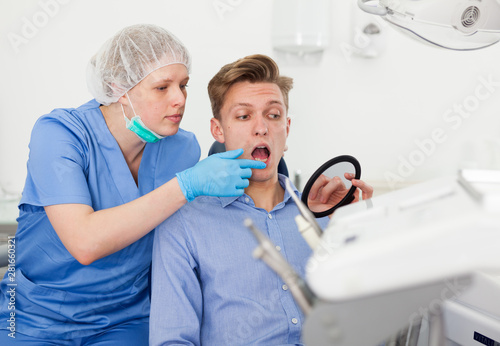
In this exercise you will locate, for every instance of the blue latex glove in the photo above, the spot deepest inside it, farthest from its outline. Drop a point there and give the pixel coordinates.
(219, 175)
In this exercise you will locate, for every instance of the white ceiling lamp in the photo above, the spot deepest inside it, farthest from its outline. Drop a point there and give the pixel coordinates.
(451, 24)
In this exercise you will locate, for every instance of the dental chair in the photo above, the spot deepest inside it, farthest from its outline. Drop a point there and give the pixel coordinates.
(4, 255)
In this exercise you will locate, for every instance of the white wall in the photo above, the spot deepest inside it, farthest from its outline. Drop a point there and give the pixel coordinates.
(377, 110)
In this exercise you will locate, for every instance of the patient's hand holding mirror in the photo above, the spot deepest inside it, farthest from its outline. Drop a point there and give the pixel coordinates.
(330, 186)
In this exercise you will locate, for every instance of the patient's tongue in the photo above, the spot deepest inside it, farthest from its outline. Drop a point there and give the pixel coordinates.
(260, 153)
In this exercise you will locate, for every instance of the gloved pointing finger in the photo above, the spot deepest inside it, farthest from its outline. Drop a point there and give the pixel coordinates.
(251, 164)
(217, 175)
(232, 154)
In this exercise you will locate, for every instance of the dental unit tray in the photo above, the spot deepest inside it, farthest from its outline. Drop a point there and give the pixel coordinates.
(429, 253)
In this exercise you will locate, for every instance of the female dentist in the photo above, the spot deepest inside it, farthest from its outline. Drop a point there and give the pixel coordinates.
(100, 178)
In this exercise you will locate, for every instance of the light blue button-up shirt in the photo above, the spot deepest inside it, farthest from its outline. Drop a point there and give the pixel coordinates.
(208, 289)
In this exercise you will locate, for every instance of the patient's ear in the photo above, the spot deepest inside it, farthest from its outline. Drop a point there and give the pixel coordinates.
(216, 129)
(288, 122)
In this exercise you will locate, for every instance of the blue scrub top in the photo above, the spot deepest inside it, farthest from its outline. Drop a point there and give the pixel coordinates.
(75, 159)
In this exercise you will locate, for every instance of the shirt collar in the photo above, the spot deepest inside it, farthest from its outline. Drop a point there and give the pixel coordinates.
(225, 201)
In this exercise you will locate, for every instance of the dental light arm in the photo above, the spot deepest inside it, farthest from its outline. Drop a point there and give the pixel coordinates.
(451, 24)
(377, 10)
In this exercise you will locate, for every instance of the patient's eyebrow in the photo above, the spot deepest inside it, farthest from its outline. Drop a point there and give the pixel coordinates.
(240, 104)
(272, 102)
(244, 104)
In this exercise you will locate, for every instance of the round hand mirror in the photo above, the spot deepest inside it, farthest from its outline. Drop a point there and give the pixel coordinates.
(331, 179)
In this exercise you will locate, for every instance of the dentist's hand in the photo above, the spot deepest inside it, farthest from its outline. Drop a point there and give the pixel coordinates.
(218, 175)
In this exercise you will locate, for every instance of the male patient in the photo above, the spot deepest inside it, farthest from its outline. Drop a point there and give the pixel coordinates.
(206, 287)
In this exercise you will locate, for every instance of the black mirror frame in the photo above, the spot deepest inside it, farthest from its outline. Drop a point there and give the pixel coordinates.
(348, 198)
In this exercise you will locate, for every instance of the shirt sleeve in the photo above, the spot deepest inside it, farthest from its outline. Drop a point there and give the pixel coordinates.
(176, 301)
(56, 164)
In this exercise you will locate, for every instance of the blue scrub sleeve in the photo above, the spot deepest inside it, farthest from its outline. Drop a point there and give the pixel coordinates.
(56, 164)
(176, 302)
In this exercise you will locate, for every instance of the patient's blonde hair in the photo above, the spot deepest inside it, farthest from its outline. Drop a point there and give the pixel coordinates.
(253, 68)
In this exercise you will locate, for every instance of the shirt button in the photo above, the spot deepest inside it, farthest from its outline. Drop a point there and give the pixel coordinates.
(278, 248)
(269, 216)
(247, 199)
(284, 287)
(295, 321)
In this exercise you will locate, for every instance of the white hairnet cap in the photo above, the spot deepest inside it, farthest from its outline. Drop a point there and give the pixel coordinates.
(128, 57)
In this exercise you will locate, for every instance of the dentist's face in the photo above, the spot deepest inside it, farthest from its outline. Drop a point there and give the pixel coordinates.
(160, 98)
(253, 117)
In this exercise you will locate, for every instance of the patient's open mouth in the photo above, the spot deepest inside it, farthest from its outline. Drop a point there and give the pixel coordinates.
(261, 153)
